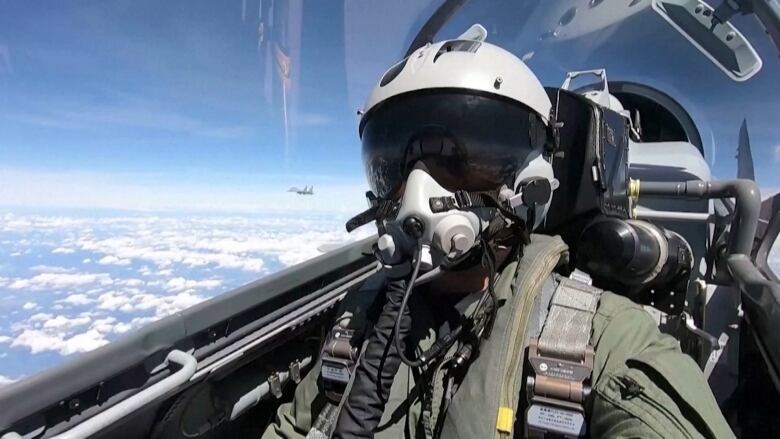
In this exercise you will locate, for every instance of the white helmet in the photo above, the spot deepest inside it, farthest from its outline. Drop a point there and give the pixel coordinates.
(472, 113)
(455, 118)
(470, 65)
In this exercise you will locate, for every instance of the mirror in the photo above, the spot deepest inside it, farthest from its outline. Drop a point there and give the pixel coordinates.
(721, 42)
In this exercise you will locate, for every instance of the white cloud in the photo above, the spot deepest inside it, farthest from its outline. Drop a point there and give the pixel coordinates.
(51, 269)
(61, 322)
(63, 251)
(130, 282)
(161, 305)
(4, 380)
(121, 328)
(83, 342)
(40, 317)
(167, 305)
(77, 299)
(183, 260)
(113, 260)
(60, 280)
(164, 251)
(43, 341)
(29, 305)
(180, 284)
(777, 153)
(104, 325)
(37, 341)
(112, 301)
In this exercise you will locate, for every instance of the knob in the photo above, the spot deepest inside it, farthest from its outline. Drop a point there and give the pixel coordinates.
(460, 243)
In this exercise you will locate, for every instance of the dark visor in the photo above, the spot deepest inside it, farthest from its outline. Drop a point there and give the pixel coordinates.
(473, 142)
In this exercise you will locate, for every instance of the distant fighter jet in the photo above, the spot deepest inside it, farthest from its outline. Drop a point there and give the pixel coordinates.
(744, 156)
(305, 191)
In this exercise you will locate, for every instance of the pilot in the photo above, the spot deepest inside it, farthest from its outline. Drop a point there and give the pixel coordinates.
(475, 327)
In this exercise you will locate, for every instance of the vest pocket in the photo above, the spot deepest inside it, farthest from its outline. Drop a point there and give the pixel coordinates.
(646, 394)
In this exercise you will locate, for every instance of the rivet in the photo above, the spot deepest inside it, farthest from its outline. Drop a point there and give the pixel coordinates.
(74, 404)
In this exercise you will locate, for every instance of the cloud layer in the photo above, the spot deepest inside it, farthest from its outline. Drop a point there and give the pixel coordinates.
(75, 283)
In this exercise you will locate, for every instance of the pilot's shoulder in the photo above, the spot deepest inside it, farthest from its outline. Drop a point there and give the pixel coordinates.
(621, 321)
(612, 304)
(359, 300)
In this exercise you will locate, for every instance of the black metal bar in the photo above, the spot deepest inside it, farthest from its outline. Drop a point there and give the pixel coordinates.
(761, 303)
(748, 203)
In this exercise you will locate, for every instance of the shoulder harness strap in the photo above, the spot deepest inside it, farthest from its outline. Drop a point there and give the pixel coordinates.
(562, 360)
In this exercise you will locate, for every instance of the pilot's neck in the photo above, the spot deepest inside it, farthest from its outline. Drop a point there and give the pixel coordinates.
(465, 281)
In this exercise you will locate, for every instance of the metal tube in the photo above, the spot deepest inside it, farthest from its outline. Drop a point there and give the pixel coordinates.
(748, 203)
(429, 276)
(674, 216)
(123, 408)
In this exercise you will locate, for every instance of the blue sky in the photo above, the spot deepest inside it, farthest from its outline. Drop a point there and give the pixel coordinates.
(180, 104)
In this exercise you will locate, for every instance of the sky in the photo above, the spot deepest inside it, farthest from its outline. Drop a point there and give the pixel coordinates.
(183, 104)
(146, 147)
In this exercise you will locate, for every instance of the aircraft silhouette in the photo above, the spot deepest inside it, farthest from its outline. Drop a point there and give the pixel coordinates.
(744, 155)
(305, 191)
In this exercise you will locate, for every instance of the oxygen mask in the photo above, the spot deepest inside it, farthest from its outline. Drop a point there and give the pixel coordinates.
(422, 223)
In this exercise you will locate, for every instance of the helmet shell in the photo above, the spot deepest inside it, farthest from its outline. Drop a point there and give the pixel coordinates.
(462, 64)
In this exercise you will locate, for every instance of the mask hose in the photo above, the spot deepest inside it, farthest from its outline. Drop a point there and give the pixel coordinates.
(363, 408)
(402, 320)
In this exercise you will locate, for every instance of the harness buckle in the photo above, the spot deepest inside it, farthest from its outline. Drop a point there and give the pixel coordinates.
(557, 394)
(339, 358)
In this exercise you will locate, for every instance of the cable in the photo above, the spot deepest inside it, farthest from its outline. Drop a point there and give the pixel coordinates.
(447, 340)
(375, 372)
(396, 330)
(491, 291)
(440, 345)
(484, 327)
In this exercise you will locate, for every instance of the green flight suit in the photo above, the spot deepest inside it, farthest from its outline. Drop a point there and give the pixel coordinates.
(643, 385)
